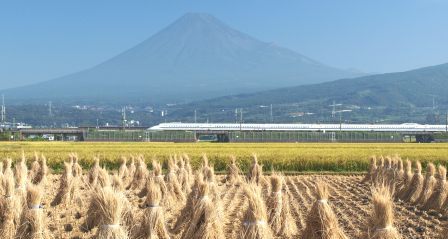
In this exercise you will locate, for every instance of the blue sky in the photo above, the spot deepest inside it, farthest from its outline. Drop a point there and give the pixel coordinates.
(44, 39)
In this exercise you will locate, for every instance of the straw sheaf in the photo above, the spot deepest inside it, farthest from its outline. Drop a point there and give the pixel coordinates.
(321, 222)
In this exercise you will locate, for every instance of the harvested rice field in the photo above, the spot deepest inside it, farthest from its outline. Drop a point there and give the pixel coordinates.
(180, 202)
(349, 199)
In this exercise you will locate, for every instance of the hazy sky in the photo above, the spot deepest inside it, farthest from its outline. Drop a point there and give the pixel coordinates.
(41, 40)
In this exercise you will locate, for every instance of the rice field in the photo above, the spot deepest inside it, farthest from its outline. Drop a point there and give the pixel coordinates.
(395, 199)
(291, 157)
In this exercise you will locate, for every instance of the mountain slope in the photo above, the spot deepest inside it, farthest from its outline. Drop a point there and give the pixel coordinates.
(194, 58)
(416, 88)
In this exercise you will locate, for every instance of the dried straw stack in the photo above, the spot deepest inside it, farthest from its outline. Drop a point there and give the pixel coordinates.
(382, 219)
(321, 222)
(42, 174)
(255, 171)
(140, 176)
(35, 167)
(131, 168)
(21, 176)
(428, 186)
(415, 186)
(174, 189)
(9, 207)
(372, 171)
(207, 217)
(279, 214)
(440, 191)
(77, 169)
(92, 176)
(65, 192)
(233, 172)
(255, 224)
(111, 209)
(154, 225)
(402, 186)
(123, 170)
(32, 222)
(183, 177)
(184, 217)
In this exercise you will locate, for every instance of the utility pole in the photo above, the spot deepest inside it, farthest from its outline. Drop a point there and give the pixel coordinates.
(272, 116)
(50, 112)
(333, 111)
(340, 121)
(3, 109)
(123, 115)
(236, 115)
(433, 103)
(241, 115)
(195, 116)
(446, 123)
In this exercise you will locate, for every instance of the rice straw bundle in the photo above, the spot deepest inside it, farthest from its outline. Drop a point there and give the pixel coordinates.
(415, 186)
(123, 170)
(95, 212)
(10, 208)
(174, 189)
(77, 169)
(256, 171)
(205, 162)
(321, 222)
(21, 175)
(279, 214)
(407, 178)
(186, 212)
(209, 178)
(35, 167)
(255, 224)
(389, 172)
(207, 217)
(65, 195)
(440, 191)
(429, 184)
(380, 166)
(41, 175)
(153, 225)
(140, 176)
(7, 171)
(159, 179)
(183, 177)
(111, 210)
(382, 220)
(103, 178)
(93, 173)
(1, 169)
(131, 168)
(32, 221)
(117, 183)
(233, 172)
(188, 167)
(372, 170)
(400, 170)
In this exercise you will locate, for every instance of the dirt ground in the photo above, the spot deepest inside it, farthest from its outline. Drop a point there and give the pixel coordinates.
(350, 200)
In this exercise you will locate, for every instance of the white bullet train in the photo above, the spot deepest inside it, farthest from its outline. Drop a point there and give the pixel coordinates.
(407, 127)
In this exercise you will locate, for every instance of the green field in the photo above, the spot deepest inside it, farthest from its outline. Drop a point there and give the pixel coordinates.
(293, 157)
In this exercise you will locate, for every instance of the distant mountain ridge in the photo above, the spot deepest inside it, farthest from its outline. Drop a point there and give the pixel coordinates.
(195, 57)
(415, 88)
